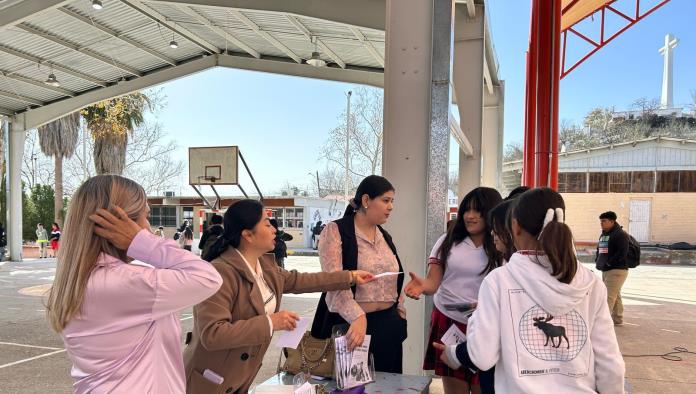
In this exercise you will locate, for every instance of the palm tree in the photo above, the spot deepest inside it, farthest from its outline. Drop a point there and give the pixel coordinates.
(58, 139)
(110, 122)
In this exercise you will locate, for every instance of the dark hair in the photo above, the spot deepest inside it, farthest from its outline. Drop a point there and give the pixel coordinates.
(517, 191)
(188, 233)
(611, 215)
(240, 216)
(216, 219)
(481, 199)
(556, 239)
(57, 226)
(274, 223)
(374, 186)
(499, 220)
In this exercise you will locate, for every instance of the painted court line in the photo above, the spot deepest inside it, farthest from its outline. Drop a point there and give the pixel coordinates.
(31, 359)
(186, 318)
(664, 329)
(32, 346)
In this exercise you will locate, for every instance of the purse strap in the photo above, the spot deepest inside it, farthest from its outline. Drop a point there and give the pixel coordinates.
(327, 342)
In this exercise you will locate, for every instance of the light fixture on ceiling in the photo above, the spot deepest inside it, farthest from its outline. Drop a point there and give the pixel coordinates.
(173, 44)
(97, 4)
(52, 80)
(315, 60)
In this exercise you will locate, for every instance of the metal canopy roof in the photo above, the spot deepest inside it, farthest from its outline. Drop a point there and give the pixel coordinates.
(128, 40)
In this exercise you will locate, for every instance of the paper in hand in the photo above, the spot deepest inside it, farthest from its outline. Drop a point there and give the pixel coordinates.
(292, 338)
(453, 336)
(383, 274)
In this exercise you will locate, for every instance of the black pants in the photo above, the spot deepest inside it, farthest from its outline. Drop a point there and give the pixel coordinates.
(388, 331)
(187, 247)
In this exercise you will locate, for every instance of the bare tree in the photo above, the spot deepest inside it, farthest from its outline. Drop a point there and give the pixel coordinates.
(366, 131)
(332, 180)
(150, 160)
(646, 106)
(513, 151)
(37, 168)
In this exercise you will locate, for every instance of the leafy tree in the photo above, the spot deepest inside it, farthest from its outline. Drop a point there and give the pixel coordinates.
(58, 139)
(110, 122)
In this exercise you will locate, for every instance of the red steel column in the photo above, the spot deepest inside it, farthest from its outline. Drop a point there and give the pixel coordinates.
(529, 149)
(547, 91)
(558, 58)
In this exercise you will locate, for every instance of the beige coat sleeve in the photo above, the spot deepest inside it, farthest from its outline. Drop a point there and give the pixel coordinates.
(214, 317)
(303, 282)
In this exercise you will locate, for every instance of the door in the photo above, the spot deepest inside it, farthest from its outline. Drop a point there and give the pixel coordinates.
(639, 220)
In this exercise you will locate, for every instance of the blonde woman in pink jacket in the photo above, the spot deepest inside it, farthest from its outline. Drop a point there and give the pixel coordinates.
(118, 289)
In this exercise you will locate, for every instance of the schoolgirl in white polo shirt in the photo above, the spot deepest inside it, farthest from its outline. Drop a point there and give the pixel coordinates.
(459, 261)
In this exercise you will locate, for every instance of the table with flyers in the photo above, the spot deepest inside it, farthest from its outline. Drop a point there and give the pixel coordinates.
(384, 383)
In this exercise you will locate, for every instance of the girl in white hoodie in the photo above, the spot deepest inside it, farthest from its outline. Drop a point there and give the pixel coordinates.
(548, 313)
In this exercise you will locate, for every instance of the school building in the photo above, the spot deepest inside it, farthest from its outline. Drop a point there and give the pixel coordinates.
(650, 184)
(296, 215)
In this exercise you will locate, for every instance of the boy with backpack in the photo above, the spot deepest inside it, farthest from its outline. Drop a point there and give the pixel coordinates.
(617, 251)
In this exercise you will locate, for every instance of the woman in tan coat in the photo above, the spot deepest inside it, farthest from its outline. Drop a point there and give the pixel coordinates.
(233, 328)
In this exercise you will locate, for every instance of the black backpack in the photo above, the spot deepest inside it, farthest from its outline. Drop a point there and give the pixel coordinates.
(633, 257)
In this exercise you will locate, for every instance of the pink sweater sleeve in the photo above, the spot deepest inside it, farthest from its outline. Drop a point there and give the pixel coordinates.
(180, 278)
(340, 301)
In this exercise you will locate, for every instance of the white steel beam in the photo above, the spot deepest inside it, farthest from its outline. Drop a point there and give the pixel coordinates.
(55, 66)
(364, 13)
(164, 21)
(219, 31)
(38, 116)
(88, 52)
(38, 84)
(117, 35)
(284, 66)
(18, 97)
(23, 10)
(272, 40)
(308, 34)
(368, 45)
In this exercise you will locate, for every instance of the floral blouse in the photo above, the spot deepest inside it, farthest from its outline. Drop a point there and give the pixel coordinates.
(375, 257)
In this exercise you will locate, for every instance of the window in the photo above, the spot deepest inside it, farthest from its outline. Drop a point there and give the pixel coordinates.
(620, 182)
(163, 215)
(642, 182)
(572, 182)
(687, 181)
(667, 181)
(599, 182)
(188, 214)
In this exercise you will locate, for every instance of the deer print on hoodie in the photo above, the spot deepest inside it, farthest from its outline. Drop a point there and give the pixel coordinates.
(542, 334)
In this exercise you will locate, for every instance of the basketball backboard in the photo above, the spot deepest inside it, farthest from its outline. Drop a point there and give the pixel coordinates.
(215, 165)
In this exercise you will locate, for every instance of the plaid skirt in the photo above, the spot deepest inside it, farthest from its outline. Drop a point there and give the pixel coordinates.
(439, 324)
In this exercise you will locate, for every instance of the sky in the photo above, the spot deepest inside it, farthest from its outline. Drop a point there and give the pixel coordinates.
(281, 122)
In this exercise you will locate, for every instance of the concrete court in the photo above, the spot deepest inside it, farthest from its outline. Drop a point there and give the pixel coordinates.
(660, 315)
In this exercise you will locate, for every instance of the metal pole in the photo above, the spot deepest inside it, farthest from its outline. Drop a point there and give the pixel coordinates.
(250, 176)
(318, 187)
(346, 186)
(84, 153)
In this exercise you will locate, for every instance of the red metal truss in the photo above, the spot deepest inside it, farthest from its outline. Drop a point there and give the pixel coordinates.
(603, 39)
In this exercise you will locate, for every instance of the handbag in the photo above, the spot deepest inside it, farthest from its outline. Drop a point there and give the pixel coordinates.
(313, 356)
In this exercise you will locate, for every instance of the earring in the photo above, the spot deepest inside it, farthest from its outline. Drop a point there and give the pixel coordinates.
(365, 206)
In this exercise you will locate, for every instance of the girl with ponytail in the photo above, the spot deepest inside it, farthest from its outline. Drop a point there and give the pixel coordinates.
(233, 328)
(542, 319)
